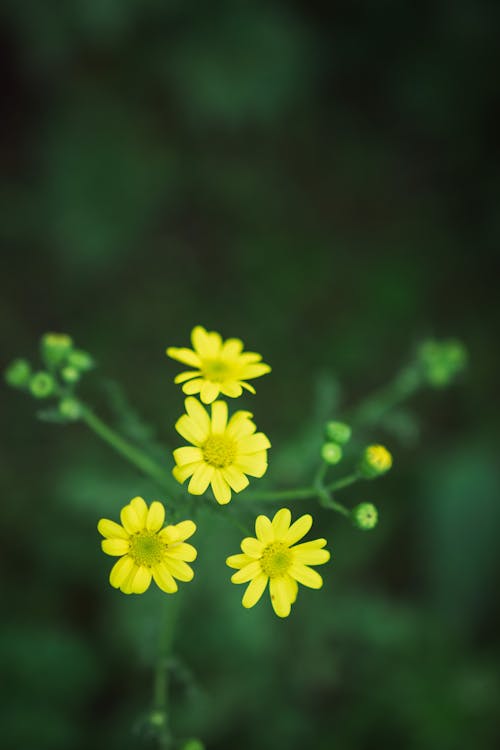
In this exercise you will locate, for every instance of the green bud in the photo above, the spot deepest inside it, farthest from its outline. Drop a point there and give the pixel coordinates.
(331, 453)
(70, 409)
(157, 718)
(55, 347)
(376, 460)
(441, 361)
(339, 432)
(18, 373)
(81, 360)
(70, 374)
(193, 744)
(42, 385)
(365, 516)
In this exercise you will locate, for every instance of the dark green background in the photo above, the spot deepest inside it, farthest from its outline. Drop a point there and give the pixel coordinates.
(323, 184)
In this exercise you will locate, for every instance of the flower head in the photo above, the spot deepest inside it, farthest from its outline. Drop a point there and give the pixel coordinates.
(275, 557)
(146, 550)
(223, 452)
(376, 460)
(220, 366)
(365, 516)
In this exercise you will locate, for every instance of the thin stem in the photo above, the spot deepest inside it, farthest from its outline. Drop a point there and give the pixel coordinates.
(161, 677)
(134, 455)
(372, 409)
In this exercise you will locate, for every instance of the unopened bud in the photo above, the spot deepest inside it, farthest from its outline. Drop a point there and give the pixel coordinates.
(55, 348)
(81, 360)
(339, 432)
(365, 516)
(70, 374)
(70, 409)
(42, 385)
(18, 373)
(331, 453)
(376, 460)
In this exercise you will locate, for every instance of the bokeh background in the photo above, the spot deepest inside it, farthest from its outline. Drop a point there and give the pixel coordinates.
(321, 181)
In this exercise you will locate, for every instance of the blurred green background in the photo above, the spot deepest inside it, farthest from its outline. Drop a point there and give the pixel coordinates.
(321, 182)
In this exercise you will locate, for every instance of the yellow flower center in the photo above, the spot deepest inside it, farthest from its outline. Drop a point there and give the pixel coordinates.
(146, 548)
(219, 451)
(276, 559)
(216, 370)
(379, 457)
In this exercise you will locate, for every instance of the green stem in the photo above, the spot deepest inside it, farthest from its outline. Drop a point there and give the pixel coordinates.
(373, 408)
(134, 455)
(161, 678)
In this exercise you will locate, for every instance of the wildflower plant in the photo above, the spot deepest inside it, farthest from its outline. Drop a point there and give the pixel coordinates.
(224, 449)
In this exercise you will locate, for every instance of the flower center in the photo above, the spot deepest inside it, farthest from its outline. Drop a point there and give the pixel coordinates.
(146, 548)
(219, 451)
(276, 559)
(215, 370)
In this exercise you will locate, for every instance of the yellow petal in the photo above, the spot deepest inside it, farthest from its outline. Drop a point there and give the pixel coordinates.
(238, 561)
(252, 547)
(164, 579)
(280, 596)
(181, 473)
(250, 571)
(240, 425)
(182, 551)
(115, 547)
(207, 344)
(220, 488)
(313, 544)
(298, 529)
(140, 507)
(141, 580)
(255, 465)
(184, 530)
(126, 587)
(281, 523)
(186, 356)
(111, 530)
(311, 556)
(219, 417)
(191, 430)
(120, 571)
(179, 569)
(193, 386)
(253, 443)
(255, 371)
(235, 479)
(201, 479)
(130, 520)
(209, 392)
(198, 414)
(248, 387)
(292, 588)
(306, 576)
(254, 590)
(155, 517)
(187, 455)
(264, 530)
(231, 348)
(187, 375)
(231, 389)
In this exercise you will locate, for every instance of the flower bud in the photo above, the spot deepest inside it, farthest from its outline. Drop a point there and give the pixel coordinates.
(70, 374)
(338, 432)
(193, 744)
(81, 360)
(55, 348)
(157, 718)
(331, 453)
(18, 373)
(441, 361)
(376, 460)
(70, 409)
(365, 516)
(42, 385)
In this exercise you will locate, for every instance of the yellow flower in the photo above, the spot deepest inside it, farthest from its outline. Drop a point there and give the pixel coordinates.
(376, 460)
(223, 453)
(221, 366)
(273, 557)
(146, 550)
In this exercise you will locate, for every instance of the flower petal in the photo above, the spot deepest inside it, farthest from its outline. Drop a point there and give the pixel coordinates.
(206, 344)
(156, 516)
(254, 371)
(141, 580)
(140, 507)
(231, 348)
(264, 530)
(231, 388)
(163, 579)
(198, 414)
(221, 489)
(280, 596)
(311, 556)
(120, 571)
(219, 417)
(306, 576)
(182, 551)
(181, 473)
(298, 529)
(130, 520)
(184, 355)
(252, 547)
(253, 443)
(190, 430)
(250, 571)
(313, 544)
(254, 465)
(115, 547)
(209, 392)
(201, 479)
(240, 425)
(187, 375)
(193, 386)
(254, 590)
(179, 569)
(248, 387)
(292, 588)
(184, 530)
(235, 479)
(238, 561)
(281, 523)
(111, 530)
(187, 455)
